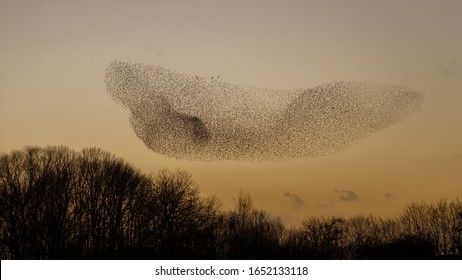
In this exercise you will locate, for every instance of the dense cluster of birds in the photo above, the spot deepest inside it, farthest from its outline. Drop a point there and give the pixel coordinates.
(190, 117)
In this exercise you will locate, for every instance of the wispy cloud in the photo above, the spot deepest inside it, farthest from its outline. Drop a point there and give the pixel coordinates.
(346, 195)
(458, 157)
(389, 195)
(450, 69)
(295, 200)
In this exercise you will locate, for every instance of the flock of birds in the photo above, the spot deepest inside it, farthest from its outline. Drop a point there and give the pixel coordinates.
(191, 117)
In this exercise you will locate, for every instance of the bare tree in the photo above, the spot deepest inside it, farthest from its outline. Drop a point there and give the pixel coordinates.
(250, 233)
(110, 196)
(56, 203)
(325, 237)
(36, 190)
(179, 218)
(455, 208)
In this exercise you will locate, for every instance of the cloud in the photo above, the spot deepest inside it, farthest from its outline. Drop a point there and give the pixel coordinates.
(458, 157)
(296, 201)
(450, 69)
(389, 195)
(346, 195)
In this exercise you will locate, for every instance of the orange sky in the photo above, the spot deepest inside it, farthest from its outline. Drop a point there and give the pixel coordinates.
(53, 55)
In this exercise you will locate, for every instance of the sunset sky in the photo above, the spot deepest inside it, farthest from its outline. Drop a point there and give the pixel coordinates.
(54, 54)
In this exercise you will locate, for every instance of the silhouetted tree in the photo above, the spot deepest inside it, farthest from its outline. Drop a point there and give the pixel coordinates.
(56, 203)
(295, 244)
(111, 196)
(436, 224)
(249, 233)
(180, 222)
(325, 237)
(36, 191)
(406, 247)
(367, 233)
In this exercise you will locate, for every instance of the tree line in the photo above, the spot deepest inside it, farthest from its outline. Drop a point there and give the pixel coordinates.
(56, 203)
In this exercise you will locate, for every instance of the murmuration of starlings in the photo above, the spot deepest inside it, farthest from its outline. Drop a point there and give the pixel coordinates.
(196, 118)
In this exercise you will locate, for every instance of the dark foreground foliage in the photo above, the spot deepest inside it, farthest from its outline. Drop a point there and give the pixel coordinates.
(56, 203)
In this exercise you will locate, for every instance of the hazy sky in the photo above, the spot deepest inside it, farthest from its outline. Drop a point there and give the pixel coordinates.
(53, 56)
